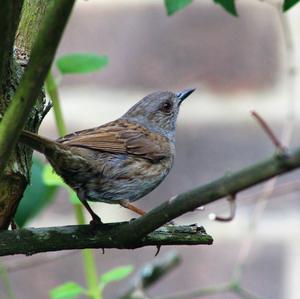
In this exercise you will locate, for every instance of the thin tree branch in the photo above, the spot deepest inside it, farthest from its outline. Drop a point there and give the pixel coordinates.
(35, 240)
(268, 131)
(31, 83)
(149, 274)
(230, 217)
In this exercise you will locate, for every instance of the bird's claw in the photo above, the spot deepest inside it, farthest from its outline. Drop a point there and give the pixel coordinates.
(96, 221)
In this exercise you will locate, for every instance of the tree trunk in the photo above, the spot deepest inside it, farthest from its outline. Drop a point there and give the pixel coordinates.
(17, 173)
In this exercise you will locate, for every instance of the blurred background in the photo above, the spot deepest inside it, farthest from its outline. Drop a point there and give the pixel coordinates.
(237, 65)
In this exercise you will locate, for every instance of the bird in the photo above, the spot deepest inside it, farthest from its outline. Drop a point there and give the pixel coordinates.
(121, 161)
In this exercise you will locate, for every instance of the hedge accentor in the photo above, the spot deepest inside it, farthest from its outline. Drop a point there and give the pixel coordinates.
(121, 161)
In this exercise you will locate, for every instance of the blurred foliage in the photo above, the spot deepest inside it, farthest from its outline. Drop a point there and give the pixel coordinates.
(173, 6)
(68, 290)
(115, 274)
(287, 4)
(228, 5)
(36, 197)
(78, 63)
(50, 178)
(71, 290)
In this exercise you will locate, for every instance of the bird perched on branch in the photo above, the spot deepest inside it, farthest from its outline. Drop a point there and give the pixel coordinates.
(121, 161)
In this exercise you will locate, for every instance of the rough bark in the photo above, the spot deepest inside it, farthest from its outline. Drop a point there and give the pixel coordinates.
(35, 240)
(17, 172)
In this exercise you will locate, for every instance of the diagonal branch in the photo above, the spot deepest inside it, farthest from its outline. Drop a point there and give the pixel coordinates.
(35, 240)
(222, 187)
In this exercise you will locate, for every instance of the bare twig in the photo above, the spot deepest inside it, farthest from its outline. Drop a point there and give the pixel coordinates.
(232, 206)
(268, 131)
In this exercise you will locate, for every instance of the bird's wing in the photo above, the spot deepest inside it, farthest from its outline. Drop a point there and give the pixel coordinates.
(121, 137)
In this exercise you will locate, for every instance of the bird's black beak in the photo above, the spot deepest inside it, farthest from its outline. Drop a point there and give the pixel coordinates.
(184, 94)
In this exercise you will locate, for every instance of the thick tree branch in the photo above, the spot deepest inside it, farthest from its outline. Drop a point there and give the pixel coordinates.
(33, 14)
(42, 55)
(35, 240)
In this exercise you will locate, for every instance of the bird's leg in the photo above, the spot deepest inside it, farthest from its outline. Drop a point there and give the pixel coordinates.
(95, 218)
(127, 205)
(13, 224)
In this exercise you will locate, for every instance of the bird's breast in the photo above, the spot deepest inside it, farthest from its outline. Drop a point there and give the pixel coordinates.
(127, 178)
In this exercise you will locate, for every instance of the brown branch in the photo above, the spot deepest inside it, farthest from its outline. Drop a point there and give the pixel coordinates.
(232, 206)
(268, 131)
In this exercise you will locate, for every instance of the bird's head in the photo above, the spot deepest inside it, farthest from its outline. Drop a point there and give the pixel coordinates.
(158, 111)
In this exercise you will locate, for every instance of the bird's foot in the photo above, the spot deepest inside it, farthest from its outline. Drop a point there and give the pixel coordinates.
(96, 221)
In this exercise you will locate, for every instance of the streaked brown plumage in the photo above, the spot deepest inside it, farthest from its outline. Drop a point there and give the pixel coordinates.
(120, 161)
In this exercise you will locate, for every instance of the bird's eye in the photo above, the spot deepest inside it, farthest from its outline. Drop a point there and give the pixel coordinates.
(166, 107)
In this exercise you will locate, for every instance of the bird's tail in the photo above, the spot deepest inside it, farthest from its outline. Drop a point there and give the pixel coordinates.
(35, 141)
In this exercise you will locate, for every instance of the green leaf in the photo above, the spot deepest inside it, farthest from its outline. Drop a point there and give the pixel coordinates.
(37, 196)
(79, 63)
(68, 290)
(116, 274)
(173, 6)
(287, 4)
(50, 178)
(228, 5)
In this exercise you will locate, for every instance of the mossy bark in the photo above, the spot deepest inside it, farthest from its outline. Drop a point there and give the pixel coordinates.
(36, 240)
(17, 172)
